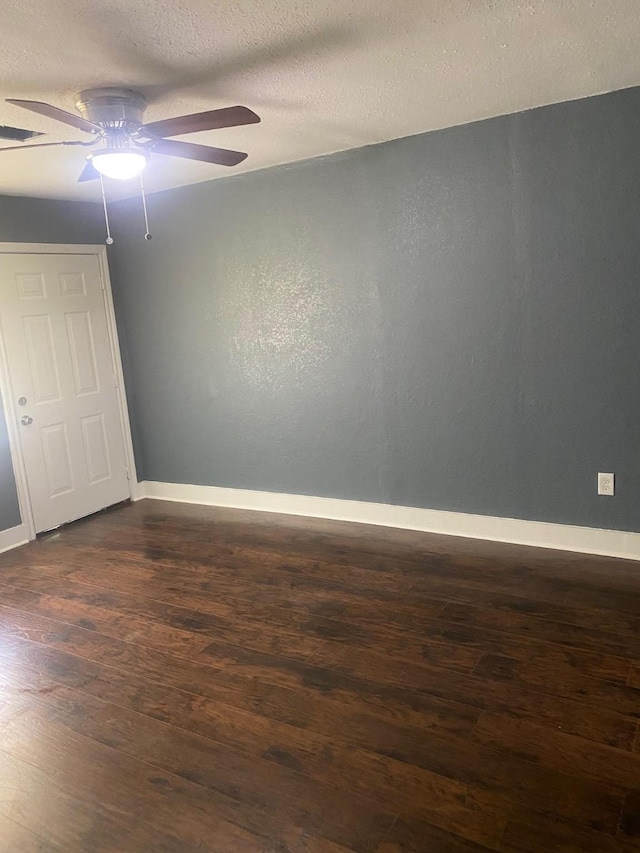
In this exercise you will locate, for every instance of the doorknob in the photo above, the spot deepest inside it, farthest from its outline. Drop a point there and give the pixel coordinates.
(25, 420)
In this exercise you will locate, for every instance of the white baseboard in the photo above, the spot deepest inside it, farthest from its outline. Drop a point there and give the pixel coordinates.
(565, 537)
(13, 537)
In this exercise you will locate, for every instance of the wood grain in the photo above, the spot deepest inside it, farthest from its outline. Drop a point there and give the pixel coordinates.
(177, 678)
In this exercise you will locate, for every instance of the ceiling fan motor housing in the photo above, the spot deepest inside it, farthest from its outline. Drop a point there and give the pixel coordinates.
(113, 108)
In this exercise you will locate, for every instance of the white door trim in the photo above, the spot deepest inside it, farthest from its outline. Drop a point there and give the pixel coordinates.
(9, 404)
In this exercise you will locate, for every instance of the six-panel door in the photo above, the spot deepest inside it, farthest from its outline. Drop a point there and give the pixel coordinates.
(54, 328)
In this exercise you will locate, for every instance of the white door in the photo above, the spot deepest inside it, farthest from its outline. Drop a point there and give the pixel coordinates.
(53, 324)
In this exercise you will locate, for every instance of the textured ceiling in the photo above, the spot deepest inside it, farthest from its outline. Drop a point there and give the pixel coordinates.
(323, 75)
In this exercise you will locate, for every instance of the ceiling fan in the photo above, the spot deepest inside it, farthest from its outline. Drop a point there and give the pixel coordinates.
(114, 118)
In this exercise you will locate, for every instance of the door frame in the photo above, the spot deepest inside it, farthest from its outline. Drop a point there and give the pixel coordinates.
(100, 252)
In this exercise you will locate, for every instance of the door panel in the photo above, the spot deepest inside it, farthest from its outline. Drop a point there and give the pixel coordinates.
(38, 337)
(57, 459)
(30, 285)
(54, 327)
(96, 451)
(82, 349)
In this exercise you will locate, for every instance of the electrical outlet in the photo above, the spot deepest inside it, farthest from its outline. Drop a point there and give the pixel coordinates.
(606, 484)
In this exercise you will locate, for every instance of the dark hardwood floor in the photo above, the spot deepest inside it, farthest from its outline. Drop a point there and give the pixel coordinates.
(178, 679)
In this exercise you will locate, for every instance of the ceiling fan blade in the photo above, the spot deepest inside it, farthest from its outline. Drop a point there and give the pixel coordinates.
(89, 173)
(220, 156)
(211, 120)
(17, 134)
(56, 113)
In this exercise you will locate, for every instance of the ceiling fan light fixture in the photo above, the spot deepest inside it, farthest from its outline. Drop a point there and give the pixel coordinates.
(119, 164)
(114, 117)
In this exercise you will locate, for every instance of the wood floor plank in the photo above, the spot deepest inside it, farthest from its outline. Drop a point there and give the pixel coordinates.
(71, 824)
(299, 756)
(331, 678)
(310, 844)
(594, 723)
(182, 566)
(557, 678)
(132, 617)
(634, 676)
(413, 836)
(544, 630)
(246, 657)
(558, 749)
(229, 592)
(163, 666)
(331, 759)
(597, 664)
(298, 636)
(16, 839)
(202, 801)
(177, 678)
(379, 715)
(304, 573)
(626, 600)
(318, 757)
(624, 624)
(531, 833)
(264, 604)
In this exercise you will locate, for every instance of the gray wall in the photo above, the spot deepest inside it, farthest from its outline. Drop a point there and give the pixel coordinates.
(27, 220)
(449, 320)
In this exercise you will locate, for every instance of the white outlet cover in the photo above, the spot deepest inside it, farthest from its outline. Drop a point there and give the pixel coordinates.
(606, 484)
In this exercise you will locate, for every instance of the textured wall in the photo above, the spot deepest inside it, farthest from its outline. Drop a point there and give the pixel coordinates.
(449, 320)
(27, 220)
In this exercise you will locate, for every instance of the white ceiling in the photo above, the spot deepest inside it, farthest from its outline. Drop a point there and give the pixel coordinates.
(324, 75)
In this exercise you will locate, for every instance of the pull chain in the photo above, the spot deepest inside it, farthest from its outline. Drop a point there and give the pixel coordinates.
(109, 240)
(147, 235)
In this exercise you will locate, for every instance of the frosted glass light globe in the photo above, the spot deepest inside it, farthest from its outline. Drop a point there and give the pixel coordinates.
(120, 165)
